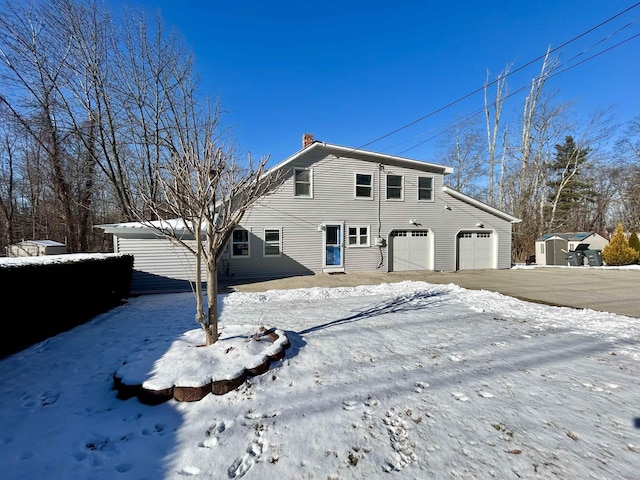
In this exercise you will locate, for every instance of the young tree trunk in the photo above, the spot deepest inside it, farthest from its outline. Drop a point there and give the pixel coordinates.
(494, 127)
(211, 330)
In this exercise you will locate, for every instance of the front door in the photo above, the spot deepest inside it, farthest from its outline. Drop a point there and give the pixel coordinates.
(333, 247)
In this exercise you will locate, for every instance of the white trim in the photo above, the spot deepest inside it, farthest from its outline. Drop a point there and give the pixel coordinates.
(386, 188)
(295, 172)
(481, 205)
(431, 242)
(264, 242)
(433, 196)
(495, 245)
(355, 186)
(375, 157)
(357, 236)
(332, 268)
(248, 242)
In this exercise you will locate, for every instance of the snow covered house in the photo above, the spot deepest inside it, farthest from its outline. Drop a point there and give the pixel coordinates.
(552, 248)
(340, 209)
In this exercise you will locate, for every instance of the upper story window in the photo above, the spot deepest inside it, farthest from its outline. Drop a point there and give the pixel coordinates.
(272, 243)
(364, 185)
(425, 188)
(303, 182)
(395, 187)
(240, 243)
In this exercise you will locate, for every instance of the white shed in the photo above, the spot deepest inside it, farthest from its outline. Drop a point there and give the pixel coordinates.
(35, 248)
(552, 248)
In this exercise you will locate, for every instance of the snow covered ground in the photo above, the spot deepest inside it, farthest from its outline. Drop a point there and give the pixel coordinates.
(402, 380)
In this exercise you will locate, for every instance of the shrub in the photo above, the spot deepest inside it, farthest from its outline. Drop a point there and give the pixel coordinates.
(618, 251)
(634, 242)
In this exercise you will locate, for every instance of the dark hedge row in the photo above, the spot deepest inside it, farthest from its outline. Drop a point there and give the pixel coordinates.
(42, 300)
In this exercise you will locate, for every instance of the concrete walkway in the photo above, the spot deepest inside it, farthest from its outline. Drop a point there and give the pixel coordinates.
(607, 290)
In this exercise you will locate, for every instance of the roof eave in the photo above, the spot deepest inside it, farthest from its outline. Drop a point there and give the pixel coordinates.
(346, 150)
(481, 205)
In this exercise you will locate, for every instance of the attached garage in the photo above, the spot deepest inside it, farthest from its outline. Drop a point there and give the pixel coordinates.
(411, 250)
(475, 250)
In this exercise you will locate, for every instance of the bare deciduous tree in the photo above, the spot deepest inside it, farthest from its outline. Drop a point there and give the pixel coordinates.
(526, 181)
(8, 183)
(208, 189)
(462, 148)
(493, 126)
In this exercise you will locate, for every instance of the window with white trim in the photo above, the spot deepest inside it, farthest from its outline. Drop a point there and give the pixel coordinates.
(240, 243)
(425, 188)
(364, 185)
(303, 182)
(358, 236)
(394, 187)
(272, 242)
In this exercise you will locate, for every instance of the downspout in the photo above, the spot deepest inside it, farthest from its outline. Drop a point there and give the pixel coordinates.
(380, 244)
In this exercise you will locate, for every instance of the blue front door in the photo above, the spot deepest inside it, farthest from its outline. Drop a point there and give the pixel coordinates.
(333, 247)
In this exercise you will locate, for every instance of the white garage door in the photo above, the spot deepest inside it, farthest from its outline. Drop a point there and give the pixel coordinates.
(475, 250)
(410, 250)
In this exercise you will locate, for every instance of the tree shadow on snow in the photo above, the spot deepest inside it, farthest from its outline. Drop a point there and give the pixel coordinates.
(405, 303)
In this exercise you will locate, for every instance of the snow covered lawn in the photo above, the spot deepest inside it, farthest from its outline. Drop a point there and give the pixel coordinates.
(402, 380)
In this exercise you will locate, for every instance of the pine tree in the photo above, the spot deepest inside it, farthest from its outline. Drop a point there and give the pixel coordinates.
(634, 242)
(568, 193)
(618, 251)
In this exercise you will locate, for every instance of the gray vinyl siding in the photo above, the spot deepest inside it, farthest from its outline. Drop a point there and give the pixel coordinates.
(159, 265)
(465, 217)
(334, 200)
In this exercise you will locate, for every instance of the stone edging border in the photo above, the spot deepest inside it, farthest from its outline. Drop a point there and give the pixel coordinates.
(194, 394)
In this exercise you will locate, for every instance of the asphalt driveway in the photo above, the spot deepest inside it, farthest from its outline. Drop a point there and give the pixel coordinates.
(604, 289)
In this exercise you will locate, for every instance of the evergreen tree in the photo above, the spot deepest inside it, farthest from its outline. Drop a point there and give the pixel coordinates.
(634, 242)
(618, 251)
(569, 194)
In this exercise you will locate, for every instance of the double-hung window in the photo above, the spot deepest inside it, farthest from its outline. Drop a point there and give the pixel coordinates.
(394, 187)
(364, 186)
(425, 188)
(240, 243)
(303, 182)
(272, 243)
(358, 236)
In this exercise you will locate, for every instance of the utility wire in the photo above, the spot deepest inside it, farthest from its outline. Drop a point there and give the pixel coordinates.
(468, 116)
(551, 75)
(540, 57)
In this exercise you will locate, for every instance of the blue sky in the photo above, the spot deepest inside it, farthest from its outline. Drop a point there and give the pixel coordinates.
(350, 72)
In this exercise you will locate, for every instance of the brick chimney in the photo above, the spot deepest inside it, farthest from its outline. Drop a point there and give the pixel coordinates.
(307, 139)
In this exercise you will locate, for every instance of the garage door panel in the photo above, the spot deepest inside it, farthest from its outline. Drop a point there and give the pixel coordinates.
(410, 250)
(475, 250)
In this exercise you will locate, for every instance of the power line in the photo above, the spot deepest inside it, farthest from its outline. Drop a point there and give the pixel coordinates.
(520, 89)
(480, 110)
(464, 97)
